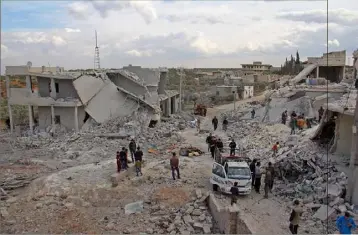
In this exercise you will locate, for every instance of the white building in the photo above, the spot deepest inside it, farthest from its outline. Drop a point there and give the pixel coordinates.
(248, 92)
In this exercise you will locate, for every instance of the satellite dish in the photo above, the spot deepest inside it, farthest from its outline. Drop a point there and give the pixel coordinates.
(29, 64)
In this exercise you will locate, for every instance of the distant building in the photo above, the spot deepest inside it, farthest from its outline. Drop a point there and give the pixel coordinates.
(248, 92)
(255, 67)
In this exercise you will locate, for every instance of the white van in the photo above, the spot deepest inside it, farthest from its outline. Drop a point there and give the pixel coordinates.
(224, 176)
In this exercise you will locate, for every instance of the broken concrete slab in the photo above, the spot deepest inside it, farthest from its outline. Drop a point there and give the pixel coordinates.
(134, 207)
(324, 212)
(334, 190)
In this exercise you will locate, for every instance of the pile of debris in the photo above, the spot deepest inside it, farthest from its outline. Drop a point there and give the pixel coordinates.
(190, 151)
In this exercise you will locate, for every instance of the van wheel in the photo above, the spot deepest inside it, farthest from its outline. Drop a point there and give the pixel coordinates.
(215, 187)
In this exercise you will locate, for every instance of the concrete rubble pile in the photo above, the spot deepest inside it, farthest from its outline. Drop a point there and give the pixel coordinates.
(302, 167)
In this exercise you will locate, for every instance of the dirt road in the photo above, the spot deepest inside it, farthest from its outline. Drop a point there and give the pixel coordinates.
(263, 215)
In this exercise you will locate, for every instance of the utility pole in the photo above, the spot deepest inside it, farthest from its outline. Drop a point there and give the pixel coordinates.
(353, 163)
(234, 100)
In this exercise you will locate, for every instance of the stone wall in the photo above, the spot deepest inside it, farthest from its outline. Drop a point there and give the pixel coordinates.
(228, 218)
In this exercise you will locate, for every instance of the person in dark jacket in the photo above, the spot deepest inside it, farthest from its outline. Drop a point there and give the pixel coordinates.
(132, 148)
(220, 145)
(271, 169)
(215, 122)
(252, 169)
(253, 114)
(225, 123)
(258, 177)
(138, 157)
(234, 193)
(123, 158)
(118, 157)
(284, 117)
(320, 113)
(232, 146)
(174, 164)
(212, 149)
(208, 140)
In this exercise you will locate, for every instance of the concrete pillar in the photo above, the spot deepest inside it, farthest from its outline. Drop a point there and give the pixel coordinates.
(53, 88)
(162, 81)
(317, 72)
(31, 119)
(76, 119)
(8, 92)
(53, 115)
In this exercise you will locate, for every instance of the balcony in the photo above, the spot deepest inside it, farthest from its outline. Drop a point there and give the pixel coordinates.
(22, 96)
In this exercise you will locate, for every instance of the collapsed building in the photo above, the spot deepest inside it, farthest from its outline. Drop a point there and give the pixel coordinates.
(69, 99)
(330, 66)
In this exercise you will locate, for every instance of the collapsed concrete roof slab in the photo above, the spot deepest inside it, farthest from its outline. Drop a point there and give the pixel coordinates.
(103, 100)
(149, 76)
(303, 74)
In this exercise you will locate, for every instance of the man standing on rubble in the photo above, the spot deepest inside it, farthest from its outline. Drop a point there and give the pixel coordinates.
(234, 193)
(225, 124)
(268, 179)
(275, 149)
(345, 224)
(320, 113)
(209, 139)
(198, 125)
(138, 157)
(118, 157)
(271, 169)
(232, 146)
(293, 122)
(252, 169)
(284, 117)
(215, 122)
(123, 158)
(253, 114)
(174, 164)
(220, 145)
(258, 177)
(132, 148)
(295, 217)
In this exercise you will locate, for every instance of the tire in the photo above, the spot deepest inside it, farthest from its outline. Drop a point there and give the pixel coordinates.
(215, 187)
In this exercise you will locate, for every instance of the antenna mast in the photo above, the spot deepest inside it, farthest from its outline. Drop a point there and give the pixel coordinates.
(96, 54)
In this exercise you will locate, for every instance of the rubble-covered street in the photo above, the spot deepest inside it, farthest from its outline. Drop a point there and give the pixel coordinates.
(72, 191)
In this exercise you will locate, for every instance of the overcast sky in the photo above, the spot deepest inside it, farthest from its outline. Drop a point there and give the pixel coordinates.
(173, 33)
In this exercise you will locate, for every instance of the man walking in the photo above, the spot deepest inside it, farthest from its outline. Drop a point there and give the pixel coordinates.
(138, 157)
(132, 148)
(257, 177)
(320, 113)
(253, 114)
(232, 146)
(174, 164)
(284, 117)
(268, 179)
(275, 149)
(225, 124)
(234, 193)
(295, 217)
(345, 224)
(271, 169)
(215, 122)
(198, 125)
(252, 169)
(123, 158)
(118, 157)
(209, 139)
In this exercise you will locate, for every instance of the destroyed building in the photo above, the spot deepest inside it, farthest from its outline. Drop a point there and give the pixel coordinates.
(330, 66)
(70, 99)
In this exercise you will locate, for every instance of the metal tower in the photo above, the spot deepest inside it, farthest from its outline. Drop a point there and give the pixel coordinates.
(96, 55)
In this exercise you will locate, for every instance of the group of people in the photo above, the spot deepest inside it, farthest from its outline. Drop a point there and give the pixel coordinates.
(136, 156)
(215, 123)
(214, 143)
(255, 168)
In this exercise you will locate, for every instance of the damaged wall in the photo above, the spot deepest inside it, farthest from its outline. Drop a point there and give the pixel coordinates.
(65, 88)
(127, 84)
(344, 132)
(67, 117)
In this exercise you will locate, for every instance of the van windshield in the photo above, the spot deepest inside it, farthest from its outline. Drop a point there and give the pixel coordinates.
(238, 173)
